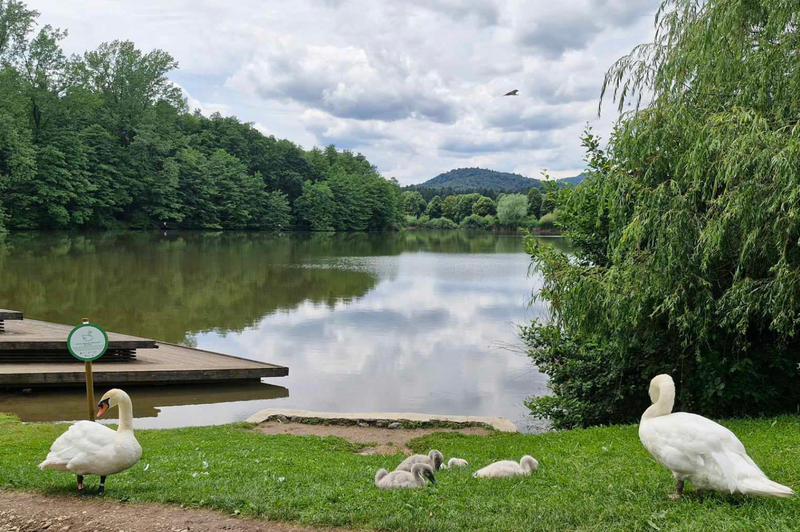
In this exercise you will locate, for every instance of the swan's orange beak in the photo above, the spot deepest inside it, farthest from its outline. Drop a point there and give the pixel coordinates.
(103, 405)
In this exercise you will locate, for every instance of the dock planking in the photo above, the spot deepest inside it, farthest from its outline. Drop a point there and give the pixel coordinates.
(8, 315)
(155, 362)
(35, 334)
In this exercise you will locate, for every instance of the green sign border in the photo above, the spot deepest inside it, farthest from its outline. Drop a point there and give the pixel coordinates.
(79, 327)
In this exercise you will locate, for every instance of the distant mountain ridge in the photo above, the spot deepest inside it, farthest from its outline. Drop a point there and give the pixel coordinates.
(573, 180)
(469, 179)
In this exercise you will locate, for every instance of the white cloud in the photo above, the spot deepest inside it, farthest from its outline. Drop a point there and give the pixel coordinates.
(415, 86)
(347, 82)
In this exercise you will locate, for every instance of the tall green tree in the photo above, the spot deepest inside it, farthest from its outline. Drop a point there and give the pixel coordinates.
(17, 155)
(535, 202)
(434, 209)
(198, 190)
(108, 174)
(64, 194)
(687, 257)
(550, 197)
(384, 195)
(464, 205)
(44, 73)
(450, 208)
(315, 207)
(512, 209)
(412, 203)
(129, 82)
(240, 197)
(484, 207)
(16, 22)
(155, 195)
(351, 211)
(276, 211)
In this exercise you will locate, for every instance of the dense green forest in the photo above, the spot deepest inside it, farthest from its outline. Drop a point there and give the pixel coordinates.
(429, 193)
(105, 139)
(685, 232)
(534, 210)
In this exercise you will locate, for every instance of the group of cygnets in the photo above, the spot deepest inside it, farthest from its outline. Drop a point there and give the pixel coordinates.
(414, 470)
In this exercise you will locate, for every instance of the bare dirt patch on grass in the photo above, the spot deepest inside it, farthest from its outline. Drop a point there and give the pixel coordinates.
(32, 512)
(377, 440)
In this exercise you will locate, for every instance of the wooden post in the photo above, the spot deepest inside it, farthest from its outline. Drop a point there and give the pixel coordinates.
(90, 390)
(89, 384)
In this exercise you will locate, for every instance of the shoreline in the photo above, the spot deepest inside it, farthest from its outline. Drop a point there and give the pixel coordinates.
(97, 230)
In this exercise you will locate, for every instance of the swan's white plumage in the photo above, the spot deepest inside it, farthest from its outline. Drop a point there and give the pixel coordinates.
(404, 479)
(700, 450)
(89, 448)
(457, 462)
(508, 468)
(434, 458)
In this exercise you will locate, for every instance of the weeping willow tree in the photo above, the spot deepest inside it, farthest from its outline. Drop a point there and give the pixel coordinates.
(688, 227)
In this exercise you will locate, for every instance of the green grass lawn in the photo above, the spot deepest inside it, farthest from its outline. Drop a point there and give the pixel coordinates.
(596, 479)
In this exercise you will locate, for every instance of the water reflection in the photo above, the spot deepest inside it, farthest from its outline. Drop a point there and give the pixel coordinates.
(392, 321)
(45, 404)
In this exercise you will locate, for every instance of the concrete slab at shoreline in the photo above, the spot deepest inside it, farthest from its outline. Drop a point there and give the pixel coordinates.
(500, 424)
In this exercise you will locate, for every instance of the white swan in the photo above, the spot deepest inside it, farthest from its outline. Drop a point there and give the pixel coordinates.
(89, 448)
(696, 448)
(404, 479)
(457, 462)
(508, 468)
(434, 458)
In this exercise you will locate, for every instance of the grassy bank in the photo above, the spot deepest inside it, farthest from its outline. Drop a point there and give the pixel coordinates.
(597, 479)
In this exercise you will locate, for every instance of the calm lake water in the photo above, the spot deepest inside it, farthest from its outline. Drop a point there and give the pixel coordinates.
(402, 322)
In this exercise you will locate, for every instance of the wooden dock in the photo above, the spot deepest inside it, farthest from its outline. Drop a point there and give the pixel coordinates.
(42, 341)
(8, 315)
(28, 351)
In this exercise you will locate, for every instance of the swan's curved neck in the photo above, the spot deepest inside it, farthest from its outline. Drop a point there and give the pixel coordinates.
(125, 415)
(663, 406)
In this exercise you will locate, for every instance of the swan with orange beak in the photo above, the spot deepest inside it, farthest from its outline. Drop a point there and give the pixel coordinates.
(89, 448)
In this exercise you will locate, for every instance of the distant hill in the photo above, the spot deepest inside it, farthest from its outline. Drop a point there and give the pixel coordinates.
(573, 180)
(468, 179)
(463, 180)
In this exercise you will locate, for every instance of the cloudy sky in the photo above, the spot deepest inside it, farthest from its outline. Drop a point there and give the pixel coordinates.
(415, 85)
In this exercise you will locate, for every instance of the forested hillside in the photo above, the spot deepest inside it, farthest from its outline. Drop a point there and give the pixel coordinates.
(482, 181)
(105, 139)
(573, 180)
(470, 179)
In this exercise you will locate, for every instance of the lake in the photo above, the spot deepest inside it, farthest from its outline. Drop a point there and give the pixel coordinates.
(417, 321)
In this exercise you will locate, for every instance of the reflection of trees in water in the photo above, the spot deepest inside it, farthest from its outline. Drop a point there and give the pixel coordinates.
(172, 286)
(167, 287)
(472, 242)
(462, 242)
(561, 244)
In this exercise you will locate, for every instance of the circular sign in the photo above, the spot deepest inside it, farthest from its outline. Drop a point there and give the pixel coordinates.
(87, 342)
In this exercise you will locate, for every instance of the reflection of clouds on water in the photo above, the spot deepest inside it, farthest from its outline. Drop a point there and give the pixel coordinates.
(390, 321)
(422, 340)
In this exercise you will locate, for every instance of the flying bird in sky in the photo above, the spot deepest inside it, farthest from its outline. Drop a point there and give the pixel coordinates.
(512, 93)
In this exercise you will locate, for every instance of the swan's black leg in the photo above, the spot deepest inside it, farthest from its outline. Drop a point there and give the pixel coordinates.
(80, 483)
(102, 487)
(678, 490)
